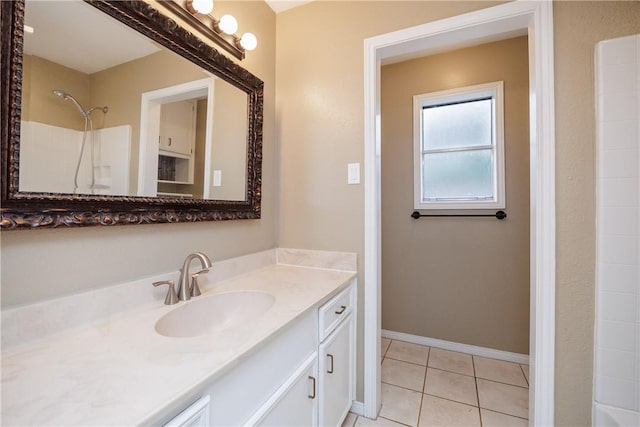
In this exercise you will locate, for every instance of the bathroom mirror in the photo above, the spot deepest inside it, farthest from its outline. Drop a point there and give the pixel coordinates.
(164, 130)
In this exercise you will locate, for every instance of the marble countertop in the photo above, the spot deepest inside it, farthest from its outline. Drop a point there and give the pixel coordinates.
(122, 372)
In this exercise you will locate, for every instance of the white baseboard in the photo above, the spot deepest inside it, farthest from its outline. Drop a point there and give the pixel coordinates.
(454, 346)
(357, 408)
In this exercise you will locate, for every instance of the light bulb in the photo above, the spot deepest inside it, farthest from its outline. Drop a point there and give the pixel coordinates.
(248, 41)
(203, 6)
(228, 24)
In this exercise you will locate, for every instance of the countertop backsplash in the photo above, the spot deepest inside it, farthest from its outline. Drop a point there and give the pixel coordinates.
(24, 324)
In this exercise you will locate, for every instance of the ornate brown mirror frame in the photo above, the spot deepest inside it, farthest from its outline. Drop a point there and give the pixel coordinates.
(19, 210)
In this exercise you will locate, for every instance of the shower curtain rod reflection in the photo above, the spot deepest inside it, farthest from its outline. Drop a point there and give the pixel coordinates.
(498, 215)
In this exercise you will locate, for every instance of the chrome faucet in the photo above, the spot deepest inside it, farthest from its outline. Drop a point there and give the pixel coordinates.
(188, 284)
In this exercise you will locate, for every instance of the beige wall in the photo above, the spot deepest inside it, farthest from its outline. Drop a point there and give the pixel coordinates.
(320, 118)
(461, 280)
(197, 188)
(229, 142)
(40, 105)
(578, 26)
(40, 264)
(320, 122)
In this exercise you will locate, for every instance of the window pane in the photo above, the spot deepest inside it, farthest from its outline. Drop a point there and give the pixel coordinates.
(458, 174)
(457, 125)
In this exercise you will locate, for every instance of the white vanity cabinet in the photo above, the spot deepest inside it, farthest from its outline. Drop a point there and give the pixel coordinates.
(196, 415)
(303, 376)
(321, 391)
(296, 403)
(336, 376)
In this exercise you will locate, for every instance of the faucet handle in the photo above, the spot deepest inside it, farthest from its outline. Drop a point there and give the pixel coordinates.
(194, 289)
(172, 297)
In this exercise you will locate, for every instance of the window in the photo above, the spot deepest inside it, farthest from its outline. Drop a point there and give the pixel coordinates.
(459, 149)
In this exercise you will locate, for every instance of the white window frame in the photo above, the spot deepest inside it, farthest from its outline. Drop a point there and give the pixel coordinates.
(468, 93)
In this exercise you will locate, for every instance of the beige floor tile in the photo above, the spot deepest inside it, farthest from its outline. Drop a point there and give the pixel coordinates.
(525, 371)
(384, 346)
(441, 412)
(403, 374)
(379, 422)
(401, 405)
(495, 419)
(500, 371)
(451, 361)
(503, 398)
(349, 420)
(452, 386)
(408, 352)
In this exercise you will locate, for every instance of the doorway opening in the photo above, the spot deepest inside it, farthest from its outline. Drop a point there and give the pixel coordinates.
(483, 26)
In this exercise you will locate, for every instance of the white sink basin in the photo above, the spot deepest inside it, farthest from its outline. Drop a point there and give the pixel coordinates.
(213, 313)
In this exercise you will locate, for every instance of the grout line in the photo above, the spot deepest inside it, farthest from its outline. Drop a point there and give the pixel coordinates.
(500, 382)
(475, 381)
(402, 387)
(424, 381)
(420, 408)
(397, 422)
(386, 350)
(525, 375)
(451, 372)
(473, 365)
(451, 400)
(504, 413)
(405, 361)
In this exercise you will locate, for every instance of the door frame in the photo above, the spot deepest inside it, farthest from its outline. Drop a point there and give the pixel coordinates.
(534, 18)
(150, 104)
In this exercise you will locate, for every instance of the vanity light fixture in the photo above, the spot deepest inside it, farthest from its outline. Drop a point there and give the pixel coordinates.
(223, 31)
(202, 6)
(228, 24)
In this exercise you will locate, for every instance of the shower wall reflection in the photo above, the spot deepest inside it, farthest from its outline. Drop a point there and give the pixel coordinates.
(51, 161)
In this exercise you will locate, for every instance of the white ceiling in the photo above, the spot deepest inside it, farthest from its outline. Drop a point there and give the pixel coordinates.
(74, 34)
(282, 5)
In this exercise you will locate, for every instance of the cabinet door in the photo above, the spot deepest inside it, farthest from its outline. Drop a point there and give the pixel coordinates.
(177, 127)
(196, 415)
(336, 374)
(295, 403)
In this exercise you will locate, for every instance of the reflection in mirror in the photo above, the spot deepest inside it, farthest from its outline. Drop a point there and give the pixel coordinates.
(138, 120)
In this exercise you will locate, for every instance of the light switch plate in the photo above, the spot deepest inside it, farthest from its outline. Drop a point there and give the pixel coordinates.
(217, 178)
(353, 173)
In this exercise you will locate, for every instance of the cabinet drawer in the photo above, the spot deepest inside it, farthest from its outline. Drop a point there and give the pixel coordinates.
(335, 310)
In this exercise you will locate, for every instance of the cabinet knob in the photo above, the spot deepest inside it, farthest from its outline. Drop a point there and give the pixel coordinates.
(342, 309)
(169, 142)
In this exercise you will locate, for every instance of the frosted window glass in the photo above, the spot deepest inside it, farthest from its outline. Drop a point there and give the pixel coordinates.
(467, 124)
(458, 174)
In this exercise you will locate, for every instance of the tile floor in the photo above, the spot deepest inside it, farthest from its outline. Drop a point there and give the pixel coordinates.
(427, 386)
